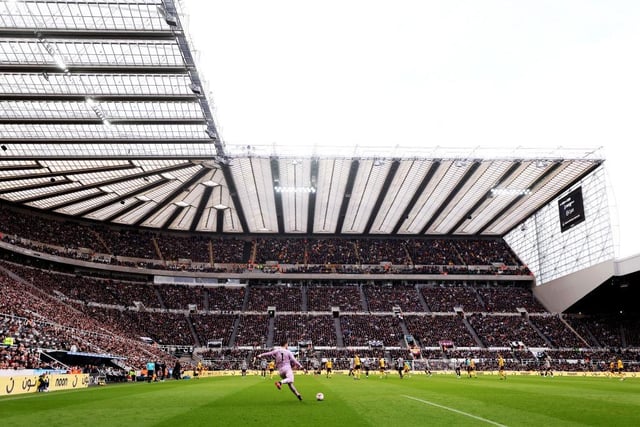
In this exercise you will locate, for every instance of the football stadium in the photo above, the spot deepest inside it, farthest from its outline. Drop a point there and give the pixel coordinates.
(153, 273)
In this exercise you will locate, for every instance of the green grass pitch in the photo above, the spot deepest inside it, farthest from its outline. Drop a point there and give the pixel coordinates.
(441, 400)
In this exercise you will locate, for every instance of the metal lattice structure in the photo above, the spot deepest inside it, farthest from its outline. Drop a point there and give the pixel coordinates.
(552, 253)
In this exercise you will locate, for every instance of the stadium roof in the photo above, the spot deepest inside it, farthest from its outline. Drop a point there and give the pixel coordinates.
(103, 116)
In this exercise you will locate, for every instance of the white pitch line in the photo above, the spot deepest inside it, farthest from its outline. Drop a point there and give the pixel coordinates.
(455, 410)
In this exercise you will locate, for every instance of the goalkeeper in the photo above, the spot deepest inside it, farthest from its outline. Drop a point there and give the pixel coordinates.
(284, 361)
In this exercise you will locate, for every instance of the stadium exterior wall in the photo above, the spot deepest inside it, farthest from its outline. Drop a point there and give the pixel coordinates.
(560, 294)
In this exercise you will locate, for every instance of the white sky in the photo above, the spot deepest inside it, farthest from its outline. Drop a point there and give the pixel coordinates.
(466, 73)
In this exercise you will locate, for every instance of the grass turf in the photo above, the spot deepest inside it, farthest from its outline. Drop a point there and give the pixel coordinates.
(416, 401)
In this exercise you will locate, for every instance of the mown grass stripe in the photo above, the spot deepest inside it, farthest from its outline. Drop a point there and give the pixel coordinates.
(457, 411)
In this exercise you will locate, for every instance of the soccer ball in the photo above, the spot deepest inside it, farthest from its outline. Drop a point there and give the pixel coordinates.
(319, 396)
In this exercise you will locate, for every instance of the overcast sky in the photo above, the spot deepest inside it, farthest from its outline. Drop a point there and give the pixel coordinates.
(468, 73)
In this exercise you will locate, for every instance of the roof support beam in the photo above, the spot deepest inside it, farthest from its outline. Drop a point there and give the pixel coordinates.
(233, 193)
(469, 213)
(121, 198)
(277, 196)
(97, 121)
(107, 182)
(52, 183)
(128, 208)
(161, 204)
(202, 204)
(472, 169)
(101, 69)
(176, 212)
(220, 220)
(383, 193)
(551, 170)
(97, 34)
(311, 213)
(124, 97)
(353, 172)
(416, 195)
(103, 141)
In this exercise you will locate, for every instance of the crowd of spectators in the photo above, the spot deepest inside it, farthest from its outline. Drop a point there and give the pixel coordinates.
(53, 324)
(213, 327)
(500, 331)
(304, 328)
(58, 310)
(194, 248)
(433, 252)
(508, 299)
(600, 332)
(384, 297)
(181, 297)
(485, 252)
(285, 297)
(289, 298)
(331, 251)
(281, 251)
(155, 250)
(223, 298)
(48, 230)
(87, 289)
(253, 330)
(557, 332)
(445, 297)
(230, 250)
(430, 331)
(322, 297)
(370, 330)
(377, 251)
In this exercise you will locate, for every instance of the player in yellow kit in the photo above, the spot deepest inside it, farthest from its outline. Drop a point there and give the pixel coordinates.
(620, 369)
(357, 367)
(503, 376)
(382, 366)
(271, 367)
(328, 366)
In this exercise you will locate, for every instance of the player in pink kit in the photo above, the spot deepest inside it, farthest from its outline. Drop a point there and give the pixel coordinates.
(284, 359)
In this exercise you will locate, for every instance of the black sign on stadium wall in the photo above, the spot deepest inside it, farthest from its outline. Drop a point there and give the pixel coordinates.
(571, 209)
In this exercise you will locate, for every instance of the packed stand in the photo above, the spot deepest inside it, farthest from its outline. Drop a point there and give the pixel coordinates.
(322, 297)
(282, 251)
(433, 252)
(430, 331)
(375, 251)
(601, 332)
(485, 252)
(557, 332)
(384, 297)
(253, 330)
(331, 251)
(210, 327)
(180, 297)
(299, 327)
(225, 299)
(174, 248)
(507, 299)
(370, 330)
(67, 327)
(445, 297)
(284, 297)
(500, 331)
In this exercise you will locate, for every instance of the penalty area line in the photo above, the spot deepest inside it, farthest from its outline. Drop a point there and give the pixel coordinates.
(437, 405)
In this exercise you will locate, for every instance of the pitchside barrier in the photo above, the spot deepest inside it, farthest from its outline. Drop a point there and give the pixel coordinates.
(374, 373)
(20, 384)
